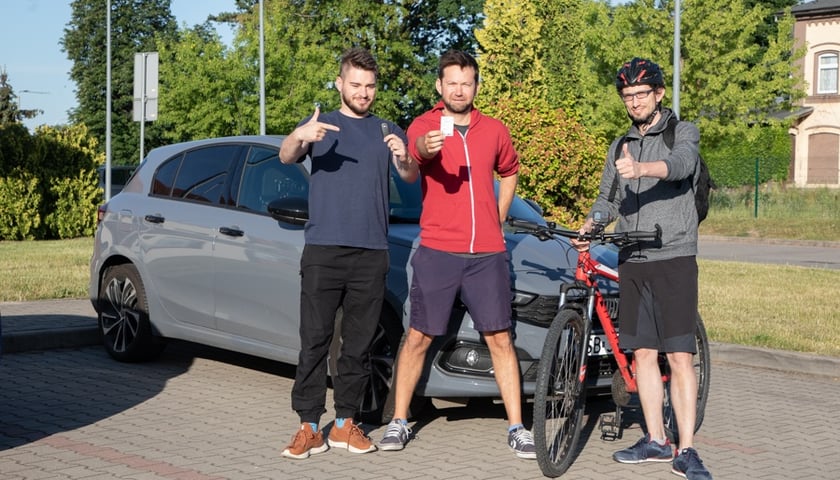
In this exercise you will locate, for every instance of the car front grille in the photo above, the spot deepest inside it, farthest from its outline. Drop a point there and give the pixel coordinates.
(539, 311)
(542, 310)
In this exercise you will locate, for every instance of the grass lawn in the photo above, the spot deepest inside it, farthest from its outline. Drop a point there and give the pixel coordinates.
(782, 307)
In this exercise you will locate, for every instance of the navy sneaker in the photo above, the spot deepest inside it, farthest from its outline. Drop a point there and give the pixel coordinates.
(645, 450)
(395, 437)
(522, 443)
(688, 465)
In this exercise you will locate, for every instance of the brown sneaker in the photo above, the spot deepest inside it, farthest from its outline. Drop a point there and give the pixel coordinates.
(350, 437)
(305, 443)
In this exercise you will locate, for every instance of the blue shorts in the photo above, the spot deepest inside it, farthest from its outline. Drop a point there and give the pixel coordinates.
(482, 281)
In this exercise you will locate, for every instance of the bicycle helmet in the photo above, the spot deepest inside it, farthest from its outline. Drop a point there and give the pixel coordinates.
(639, 71)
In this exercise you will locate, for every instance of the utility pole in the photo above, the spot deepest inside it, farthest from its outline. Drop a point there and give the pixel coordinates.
(262, 72)
(675, 104)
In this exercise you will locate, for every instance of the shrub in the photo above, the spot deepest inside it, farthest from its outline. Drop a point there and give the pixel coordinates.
(732, 161)
(74, 212)
(561, 162)
(19, 203)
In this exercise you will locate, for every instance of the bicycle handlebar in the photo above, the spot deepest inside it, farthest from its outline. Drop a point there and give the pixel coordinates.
(549, 231)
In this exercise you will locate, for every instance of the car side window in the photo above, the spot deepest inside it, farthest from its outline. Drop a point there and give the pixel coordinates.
(200, 175)
(165, 177)
(265, 178)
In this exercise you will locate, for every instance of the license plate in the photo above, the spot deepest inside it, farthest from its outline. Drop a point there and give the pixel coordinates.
(599, 346)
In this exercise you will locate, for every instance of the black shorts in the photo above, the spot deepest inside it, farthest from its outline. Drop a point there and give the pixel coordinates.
(658, 305)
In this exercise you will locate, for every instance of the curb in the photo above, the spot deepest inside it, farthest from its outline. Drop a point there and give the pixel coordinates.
(770, 241)
(764, 358)
(66, 337)
(776, 359)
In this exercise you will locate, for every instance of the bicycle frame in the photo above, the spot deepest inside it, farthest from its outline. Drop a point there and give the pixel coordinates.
(586, 275)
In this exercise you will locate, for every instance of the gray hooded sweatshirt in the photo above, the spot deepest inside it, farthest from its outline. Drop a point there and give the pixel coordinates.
(643, 203)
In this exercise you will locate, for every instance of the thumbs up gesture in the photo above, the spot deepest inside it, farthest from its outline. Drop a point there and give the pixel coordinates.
(626, 165)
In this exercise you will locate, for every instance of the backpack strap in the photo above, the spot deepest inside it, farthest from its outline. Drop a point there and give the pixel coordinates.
(614, 186)
(670, 132)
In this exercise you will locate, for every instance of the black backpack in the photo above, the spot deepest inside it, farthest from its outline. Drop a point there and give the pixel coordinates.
(701, 187)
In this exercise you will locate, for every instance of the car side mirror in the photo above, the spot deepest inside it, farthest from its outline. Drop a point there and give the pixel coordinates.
(294, 210)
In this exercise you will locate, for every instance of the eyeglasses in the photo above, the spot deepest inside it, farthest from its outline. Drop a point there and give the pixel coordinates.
(628, 97)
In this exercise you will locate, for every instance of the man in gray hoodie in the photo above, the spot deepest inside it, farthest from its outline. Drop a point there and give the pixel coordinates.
(645, 183)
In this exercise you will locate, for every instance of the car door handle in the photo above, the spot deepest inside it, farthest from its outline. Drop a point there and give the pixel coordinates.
(154, 218)
(231, 232)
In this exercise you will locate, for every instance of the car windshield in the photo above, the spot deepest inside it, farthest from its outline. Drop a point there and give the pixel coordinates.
(406, 203)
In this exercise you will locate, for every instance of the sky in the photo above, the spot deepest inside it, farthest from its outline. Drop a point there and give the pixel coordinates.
(39, 71)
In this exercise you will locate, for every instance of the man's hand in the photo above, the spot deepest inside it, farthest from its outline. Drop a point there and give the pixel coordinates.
(406, 167)
(582, 245)
(313, 130)
(397, 147)
(626, 165)
(431, 143)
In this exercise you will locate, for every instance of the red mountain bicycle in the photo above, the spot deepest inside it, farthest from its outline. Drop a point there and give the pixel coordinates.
(574, 350)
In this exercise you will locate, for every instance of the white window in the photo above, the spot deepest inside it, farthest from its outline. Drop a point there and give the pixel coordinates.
(827, 74)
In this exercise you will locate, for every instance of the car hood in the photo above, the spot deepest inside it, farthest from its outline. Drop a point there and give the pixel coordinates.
(536, 266)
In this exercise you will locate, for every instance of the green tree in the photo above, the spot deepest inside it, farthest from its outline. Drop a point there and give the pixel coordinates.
(218, 87)
(439, 25)
(203, 88)
(511, 52)
(560, 160)
(9, 111)
(727, 80)
(134, 27)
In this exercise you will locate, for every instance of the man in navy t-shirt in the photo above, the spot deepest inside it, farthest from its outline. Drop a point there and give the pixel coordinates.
(345, 258)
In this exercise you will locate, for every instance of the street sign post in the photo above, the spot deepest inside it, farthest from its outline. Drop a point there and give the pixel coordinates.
(145, 92)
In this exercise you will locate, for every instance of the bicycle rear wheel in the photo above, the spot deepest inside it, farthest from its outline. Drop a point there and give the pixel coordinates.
(560, 393)
(702, 367)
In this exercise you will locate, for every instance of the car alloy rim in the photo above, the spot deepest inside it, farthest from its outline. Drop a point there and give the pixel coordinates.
(120, 321)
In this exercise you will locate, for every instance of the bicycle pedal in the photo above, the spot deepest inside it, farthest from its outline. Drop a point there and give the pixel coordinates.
(610, 426)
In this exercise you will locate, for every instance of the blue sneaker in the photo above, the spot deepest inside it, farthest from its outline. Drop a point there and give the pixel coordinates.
(688, 465)
(395, 437)
(645, 450)
(522, 443)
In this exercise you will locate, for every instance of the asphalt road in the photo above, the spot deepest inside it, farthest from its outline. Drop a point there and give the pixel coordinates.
(807, 254)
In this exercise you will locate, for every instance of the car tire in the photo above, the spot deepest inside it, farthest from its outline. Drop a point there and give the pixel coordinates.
(123, 316)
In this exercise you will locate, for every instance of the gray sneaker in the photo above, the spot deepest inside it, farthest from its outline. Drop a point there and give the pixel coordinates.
(395, 437)
(645, 450)
(687, 464)
(522, 443)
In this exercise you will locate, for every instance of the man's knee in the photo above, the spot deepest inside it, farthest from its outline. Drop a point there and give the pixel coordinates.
(680, 361)
(417, 341)
(499, 341)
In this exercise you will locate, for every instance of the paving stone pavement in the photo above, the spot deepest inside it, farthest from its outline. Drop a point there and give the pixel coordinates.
(202, 413)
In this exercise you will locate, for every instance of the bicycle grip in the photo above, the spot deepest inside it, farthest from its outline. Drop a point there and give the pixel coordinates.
(655, 235)
(524, 224)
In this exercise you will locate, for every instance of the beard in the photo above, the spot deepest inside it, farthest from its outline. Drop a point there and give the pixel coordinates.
(453, 109)
(355, 108)
(645, 119)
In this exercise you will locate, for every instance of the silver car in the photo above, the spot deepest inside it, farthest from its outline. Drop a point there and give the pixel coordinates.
(203, 244)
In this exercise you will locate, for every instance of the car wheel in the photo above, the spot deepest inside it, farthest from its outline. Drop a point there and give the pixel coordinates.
(123, 313)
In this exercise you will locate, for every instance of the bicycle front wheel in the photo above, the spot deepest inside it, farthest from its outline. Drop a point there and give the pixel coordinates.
(560, 393)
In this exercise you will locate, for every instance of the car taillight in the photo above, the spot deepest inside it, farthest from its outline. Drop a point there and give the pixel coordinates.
(100, 213)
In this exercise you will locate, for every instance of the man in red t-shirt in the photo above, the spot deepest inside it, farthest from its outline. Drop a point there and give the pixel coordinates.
(462, 249)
